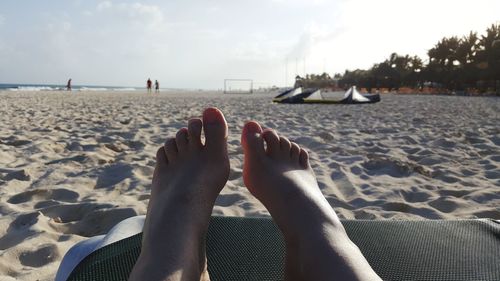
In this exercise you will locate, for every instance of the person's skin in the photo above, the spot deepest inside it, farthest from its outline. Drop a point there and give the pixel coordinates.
(279, 175)
(189, 176)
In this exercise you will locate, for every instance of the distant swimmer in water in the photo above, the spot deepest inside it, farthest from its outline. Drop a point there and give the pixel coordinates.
(157, 87)
(149, 85)
(68, 86)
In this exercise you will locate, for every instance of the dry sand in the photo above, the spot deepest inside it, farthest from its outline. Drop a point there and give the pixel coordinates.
(73, 165)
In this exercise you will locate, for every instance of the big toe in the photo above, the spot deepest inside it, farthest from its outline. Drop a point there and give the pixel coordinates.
(215, 127)
(251, 139)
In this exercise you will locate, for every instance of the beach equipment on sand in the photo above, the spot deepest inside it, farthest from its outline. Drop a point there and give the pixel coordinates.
(288, 93)
(253, 249)
(352, 96)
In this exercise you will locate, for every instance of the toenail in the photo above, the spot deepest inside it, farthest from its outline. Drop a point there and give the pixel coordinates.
(211, 115)
(193, 122)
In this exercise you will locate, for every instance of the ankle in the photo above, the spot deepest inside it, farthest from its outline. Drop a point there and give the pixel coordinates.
(159, 269)
(158, 260)
(312, 215)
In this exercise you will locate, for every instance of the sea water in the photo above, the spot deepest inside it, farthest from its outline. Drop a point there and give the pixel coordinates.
(49, 87)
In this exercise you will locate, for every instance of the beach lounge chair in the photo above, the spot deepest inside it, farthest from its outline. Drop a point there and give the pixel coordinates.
(253, 249)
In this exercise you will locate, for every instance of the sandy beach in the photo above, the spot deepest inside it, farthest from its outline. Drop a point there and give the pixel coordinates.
(72, 165)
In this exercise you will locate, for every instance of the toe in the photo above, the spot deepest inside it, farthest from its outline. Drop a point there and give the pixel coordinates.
(285, 146)
(161, 163)
(272, 141)
(171, 150)
(295, 152)
(215, 128)
(251, 139)
(194, 132)
(304, 158)
(161, 157)
(181, 139)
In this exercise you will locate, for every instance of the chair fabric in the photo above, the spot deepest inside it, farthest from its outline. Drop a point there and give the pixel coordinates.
(253, 249)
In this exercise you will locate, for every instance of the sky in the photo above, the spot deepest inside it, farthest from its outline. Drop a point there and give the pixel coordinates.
(196, 44)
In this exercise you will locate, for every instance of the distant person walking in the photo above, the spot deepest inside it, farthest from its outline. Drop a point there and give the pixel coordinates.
(68, 86)
(157, 87)
(149, 85)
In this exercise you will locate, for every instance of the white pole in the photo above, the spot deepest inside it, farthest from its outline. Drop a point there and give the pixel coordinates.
(304, 66)
(286, 72)
(296, 67)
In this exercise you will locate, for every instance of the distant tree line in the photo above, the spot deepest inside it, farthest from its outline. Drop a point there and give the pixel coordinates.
(459, 64)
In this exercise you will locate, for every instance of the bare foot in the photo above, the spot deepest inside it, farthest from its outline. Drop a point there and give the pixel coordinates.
(280, 176)
(188, 178)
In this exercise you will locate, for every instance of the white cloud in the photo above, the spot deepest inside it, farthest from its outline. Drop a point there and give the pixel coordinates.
(313, 36)
(138, 11)
(306, 2)
(366, 32)
(213, 9)
(66, 26)
(104, 5)
(133, 13)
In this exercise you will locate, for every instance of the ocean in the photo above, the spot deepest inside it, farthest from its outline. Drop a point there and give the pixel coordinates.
(50, 87)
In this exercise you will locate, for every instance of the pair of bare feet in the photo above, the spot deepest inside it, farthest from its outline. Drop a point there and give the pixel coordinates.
(189, 176)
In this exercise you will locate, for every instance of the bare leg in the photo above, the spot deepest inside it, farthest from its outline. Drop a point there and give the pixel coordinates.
(280, 176)
(187, 179)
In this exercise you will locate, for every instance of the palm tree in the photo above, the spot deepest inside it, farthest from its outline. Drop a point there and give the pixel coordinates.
(488, 55)
(465, 56)
(455, 63)
(443, 61)
(467, 48)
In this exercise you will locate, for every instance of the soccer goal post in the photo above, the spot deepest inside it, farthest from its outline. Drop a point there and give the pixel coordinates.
(238, 86)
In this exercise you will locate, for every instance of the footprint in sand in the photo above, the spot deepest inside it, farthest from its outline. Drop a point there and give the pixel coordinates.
(431, 160)
(45, 204)
(446, 177)
(423, 212)
(116, 147)
(227, 200)
(381, 165)
(59, 194)
(454, 193)
(42, 256)
(445, 204)
(467, 173)
(11, 141)
(74, 146)
(22, 225)
(410, 149)
(20, 175)
(327, 136)
(113, 174)
(495, 158)
(76, 218)
(492, 175)
(364, 215)
(136, 145)
(73, 212)
(495, 140)
(397, 206)
(78, 158)
(235, 173)
(489, 214)
(415, 196)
